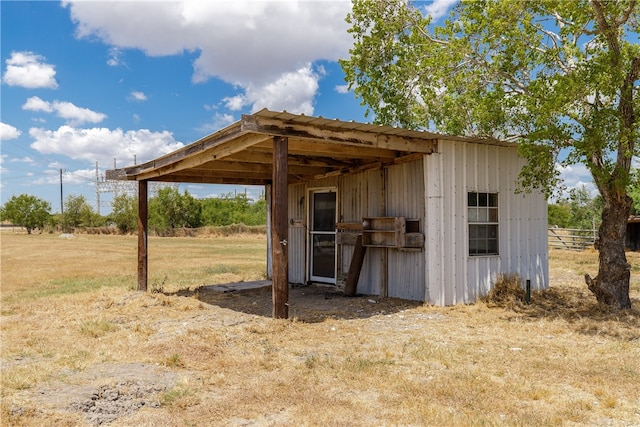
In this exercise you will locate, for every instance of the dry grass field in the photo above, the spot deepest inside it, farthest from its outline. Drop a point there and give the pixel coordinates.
(81, 347)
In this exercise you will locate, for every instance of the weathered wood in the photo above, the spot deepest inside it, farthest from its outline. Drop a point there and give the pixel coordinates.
(180, 161)
(355, 267)
(384, 256)
(355, 137)
(322, 148)
(349, 226)
(267, 198)
(143, 229)
(280, 230)
(346, 238)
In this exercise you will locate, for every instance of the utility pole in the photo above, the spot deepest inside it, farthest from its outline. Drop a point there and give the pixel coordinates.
(97, 190)
(61, 197)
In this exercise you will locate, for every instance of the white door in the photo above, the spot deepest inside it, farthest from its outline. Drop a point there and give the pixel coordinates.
(322, 235)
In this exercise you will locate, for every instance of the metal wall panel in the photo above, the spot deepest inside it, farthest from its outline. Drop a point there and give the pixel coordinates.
(405, 197)
(297, 234)
(361, 196)
(459, 167)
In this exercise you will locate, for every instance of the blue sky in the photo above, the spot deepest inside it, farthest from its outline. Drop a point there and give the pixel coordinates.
(87, 82)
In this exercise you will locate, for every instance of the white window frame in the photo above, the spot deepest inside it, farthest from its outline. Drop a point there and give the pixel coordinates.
(483, 223)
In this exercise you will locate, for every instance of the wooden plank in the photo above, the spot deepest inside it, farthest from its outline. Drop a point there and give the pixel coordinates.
(181, 162)
(346, 238)
(267, 198)
(349, 226)
(280, 230)
(352, 137)
(327, 149)
(354, 268)
(384, 256)
(143, 261)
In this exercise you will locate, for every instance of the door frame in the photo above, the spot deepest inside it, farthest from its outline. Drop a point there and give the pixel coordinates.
(311, 232)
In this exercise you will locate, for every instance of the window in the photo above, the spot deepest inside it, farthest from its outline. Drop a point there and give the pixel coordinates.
(483, 223)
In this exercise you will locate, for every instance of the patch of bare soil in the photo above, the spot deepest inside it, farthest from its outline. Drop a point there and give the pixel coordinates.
(105, 392)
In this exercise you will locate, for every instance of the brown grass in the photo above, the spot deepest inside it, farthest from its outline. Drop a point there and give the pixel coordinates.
(73, 326)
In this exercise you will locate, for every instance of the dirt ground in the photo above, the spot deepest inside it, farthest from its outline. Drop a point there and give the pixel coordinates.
(196, 357)
(105, 393)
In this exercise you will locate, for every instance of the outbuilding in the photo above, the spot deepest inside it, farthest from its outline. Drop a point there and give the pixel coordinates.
(391, 212)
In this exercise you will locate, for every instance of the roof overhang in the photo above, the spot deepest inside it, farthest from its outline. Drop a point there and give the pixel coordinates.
(242, 153)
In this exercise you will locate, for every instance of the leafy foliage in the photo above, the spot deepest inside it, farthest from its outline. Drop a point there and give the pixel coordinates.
(553, 75)
(579, 210)
(234, 209)
(78, 213)
(634, 191)
(169, 209)
(124, 213)
(556, 76)
(27, 211)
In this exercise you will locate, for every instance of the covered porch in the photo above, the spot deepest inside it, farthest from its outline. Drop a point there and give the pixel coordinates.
(274, 149)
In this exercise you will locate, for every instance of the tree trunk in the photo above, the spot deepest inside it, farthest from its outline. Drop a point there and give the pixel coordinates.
(611, 285)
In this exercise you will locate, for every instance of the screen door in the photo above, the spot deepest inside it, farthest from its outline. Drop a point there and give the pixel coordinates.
(322, 236)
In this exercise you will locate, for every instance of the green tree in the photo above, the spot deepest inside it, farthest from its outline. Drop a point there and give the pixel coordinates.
(124, 213)
(169, 209)
(557, 76)
(78, 213)
(578, 210)
(634, 192)
(26, 211)
(234, 209)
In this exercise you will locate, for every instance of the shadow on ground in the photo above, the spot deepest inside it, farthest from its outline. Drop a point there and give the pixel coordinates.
(309, 304)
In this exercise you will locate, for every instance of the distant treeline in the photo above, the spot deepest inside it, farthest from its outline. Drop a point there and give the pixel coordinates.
(168, 210)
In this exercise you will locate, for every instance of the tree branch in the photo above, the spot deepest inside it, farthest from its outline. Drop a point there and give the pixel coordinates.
(606, 29)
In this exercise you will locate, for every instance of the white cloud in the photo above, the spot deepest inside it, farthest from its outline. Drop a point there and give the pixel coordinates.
(438, 8)
(256, 45)
(114, 57)
(27, 69)
(576, 176)
(103, 145)
(137, 96)
(292, 92)
(66, 110)
(35, 103)
(343, 89)
(219, 121)
(25, 159)
(235, 103)
(8, 132)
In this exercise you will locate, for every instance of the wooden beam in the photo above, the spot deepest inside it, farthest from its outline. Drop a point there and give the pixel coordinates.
(221, 166)
(325, 149)
(143, 261)
(280, 230)
(340, 135)
(181, 160)
(354, 268)
(254, 155)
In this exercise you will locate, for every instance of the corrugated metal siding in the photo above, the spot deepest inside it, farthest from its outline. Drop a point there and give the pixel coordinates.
(297, 235)
(361, 196)
(405, 197)
(459, 167)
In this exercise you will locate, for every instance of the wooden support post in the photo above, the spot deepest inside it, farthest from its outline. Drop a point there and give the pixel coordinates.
(142, 236)
(384, 252)
(267, 198)
(280, 229)
(354, 268)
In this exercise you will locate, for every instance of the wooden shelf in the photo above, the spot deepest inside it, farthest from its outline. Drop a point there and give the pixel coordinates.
(391, 232)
